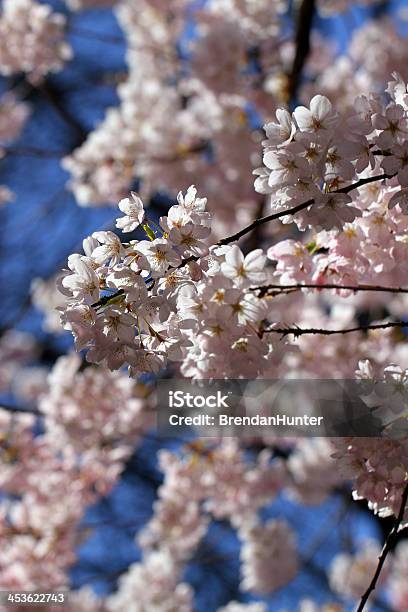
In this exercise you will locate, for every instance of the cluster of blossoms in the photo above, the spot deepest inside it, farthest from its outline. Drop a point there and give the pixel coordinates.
(31, 39)
(398, 578)
(164, 592)
(13, 115)
(237, 61)
(49, 479)
(262, 567)
(80, 408)
(379, 470)
(210, 140)
(46, 297)
(348, 573)
(17, 349)
(39, 533)
(175, 298)
(201, 483)
(171, 299)
(147, 301)
(375, 51)
(316, 154)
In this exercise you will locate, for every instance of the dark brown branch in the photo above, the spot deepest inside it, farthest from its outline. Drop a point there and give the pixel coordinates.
(298, 208)
(20, 409)
(388, 545)
(268, 290)
(299, 331)
(33, 152)
(107, 298)
(54, 97)
(255, 224)
(302, 42)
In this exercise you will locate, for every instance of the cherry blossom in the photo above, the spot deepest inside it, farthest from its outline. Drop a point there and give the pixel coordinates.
(165, 592)
(350, 574)
(134, 213)
(319, 120)
(263, 570)
(242, 278)
(32, 39)
(398, 577)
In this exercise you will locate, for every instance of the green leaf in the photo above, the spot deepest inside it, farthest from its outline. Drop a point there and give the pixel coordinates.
(150, 233)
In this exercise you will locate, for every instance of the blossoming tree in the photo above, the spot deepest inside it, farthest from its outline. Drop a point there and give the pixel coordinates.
(284, 255)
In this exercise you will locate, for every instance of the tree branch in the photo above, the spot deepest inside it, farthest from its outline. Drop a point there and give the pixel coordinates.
(388, 545)
(20, 409)
(303, 36)
(268, 290)
(33, 152)
(298, 208)
(262, 220)
(299, 331)
(54, 98)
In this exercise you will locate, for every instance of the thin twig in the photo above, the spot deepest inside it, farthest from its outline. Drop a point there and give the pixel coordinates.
(272, 289)
(299, 331)
(298, 208)
(388, 545)
(33, 152)
(268, 218)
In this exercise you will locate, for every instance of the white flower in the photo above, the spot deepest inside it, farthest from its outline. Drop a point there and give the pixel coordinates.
(261, 183)
(188, 239)
(397, 162)
(397, 89)
(89, 245)
(400, 198)
(130, 282)
(118, 325)
(80, 319)
(190, 200)
(320, 119)
(244, 269)
(84, 282)
(286, 165)
(392, 124)
(134, 213)
(159, 256)
(177, 216)
(338, 160)
(281, 133)
(146, 361)
(113, 354)
(333, 210)
(244, 308)
(111, 248)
